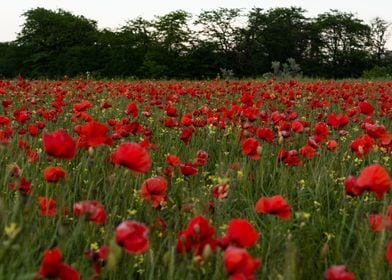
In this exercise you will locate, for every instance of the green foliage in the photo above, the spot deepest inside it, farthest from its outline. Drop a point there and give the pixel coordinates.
(378, 72)
(177, 45)
(10, 59)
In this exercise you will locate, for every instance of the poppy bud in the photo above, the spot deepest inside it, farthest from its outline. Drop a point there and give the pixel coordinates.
(360, 150)
(196, 228)
(324, 251)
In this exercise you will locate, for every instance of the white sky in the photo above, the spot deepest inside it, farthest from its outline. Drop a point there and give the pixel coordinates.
(114, 13)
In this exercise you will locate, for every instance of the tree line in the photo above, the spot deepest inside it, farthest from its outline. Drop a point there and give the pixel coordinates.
(179, 45)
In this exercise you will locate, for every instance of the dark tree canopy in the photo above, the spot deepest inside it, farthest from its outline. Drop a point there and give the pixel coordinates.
(180, 45)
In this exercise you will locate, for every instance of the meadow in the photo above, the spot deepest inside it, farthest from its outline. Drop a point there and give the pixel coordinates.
(196, 179)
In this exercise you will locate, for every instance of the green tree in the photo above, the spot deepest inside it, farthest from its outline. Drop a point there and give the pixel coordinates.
(275, 35)
(172, 31)
(379, 32)
(285, 33)
(343, 43)
(49, 35)
(253, 54)
(10, 59)
(220, 28)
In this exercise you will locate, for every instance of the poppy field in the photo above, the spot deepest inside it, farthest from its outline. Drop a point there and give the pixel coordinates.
(196, 179)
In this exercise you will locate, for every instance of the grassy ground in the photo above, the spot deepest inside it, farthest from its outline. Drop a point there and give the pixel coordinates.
(326, 228)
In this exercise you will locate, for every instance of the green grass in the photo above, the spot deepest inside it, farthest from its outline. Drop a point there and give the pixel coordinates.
(326, 228)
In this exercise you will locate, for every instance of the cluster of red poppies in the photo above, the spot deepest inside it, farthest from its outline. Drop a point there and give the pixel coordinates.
(254, 114)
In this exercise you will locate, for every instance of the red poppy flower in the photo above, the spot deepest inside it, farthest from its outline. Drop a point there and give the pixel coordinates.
(374, 131)
(275, 205)
(332, 145)
(374, 178)
(239, 233)
(47, 206)
(23, 144)
(173, 160)
(200, 123)
(201, 158)
(386, 140)
(21, 115)
(31, 155)
(250, 113)
(97, 258)
(132, 110)
(186, 120)
(22, 131)
(351, 187)
(146, 112)
(186, 135)
(376, 222)
(53, 267)
(321, 130)
(388, 253)
(307, 151)
(171, 111)
(4, 121)
(132, 156)
(82, 106)
(366, 108)
(93, 134)
(188, 169)
(221, 191)
(168, 171)
(132, 236)
(290, 158)
(170, 122)
(54, 174)
(265, 134)
(362, 145)
(154, 189)
(59, 144)
(252, 148)
(239, 264)
(24, 186)
(40, 124)
(95, 211)
(33, 130)
(337, 121)
(6, 103)
(338, 272)
(196, 237)
(297, 126)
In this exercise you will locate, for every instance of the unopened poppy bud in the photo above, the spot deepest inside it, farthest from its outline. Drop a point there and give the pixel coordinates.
(198, 259)
(91, 151)
(360, 150)
(207, 251)
(14, 170)
(114, 255)
(196, 228)
(324, 251)
(167, 258)
(259, 149)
